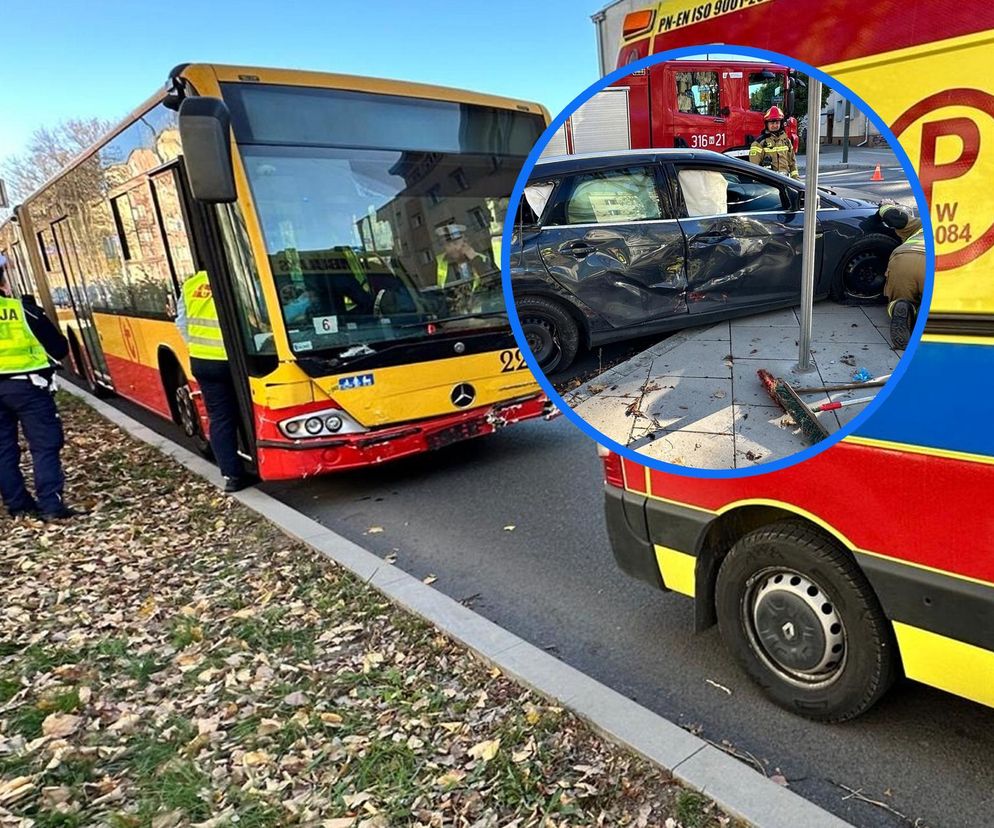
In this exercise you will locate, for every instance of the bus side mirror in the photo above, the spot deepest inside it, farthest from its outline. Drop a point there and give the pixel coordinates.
(204, 130)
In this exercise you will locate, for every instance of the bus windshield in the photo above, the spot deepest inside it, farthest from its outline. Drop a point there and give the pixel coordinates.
(382, 215)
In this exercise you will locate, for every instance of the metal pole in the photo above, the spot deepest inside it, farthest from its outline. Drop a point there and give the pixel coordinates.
(804, 363)
(845, 134)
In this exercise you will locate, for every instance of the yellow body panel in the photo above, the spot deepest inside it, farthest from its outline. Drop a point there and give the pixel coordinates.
(138, 340)
(909, 107)
(950, 665)
(678, 570)
(399, 393)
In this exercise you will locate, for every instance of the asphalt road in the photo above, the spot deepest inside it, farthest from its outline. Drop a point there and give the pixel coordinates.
(551, 579)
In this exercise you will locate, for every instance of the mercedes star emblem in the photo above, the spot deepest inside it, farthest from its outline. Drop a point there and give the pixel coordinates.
(462, 395)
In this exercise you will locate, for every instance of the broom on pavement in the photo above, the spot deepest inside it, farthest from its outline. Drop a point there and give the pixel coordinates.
(786, 397)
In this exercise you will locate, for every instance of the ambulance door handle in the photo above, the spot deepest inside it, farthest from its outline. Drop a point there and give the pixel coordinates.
(719, 120)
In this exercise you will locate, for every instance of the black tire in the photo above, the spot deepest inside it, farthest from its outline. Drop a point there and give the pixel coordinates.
(862, 273)
(552, 334)
(829, 654)
(84, 371)
(185, 413)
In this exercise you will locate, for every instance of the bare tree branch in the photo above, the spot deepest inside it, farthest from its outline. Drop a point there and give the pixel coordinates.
(48, 150)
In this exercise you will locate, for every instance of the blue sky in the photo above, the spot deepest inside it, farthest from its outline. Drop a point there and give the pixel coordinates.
(79, 58)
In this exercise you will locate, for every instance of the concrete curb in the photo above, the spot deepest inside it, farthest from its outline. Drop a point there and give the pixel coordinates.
(739, 790)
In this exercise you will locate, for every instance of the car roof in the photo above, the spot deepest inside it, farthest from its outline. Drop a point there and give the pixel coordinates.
(565, 164)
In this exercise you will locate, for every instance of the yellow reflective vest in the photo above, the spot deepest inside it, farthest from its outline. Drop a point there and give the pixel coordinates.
(202, 325)
(20, 350)
(778, 153)
(442, 265)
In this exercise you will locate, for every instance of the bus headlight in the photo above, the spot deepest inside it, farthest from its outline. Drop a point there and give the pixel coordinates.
(325, 423)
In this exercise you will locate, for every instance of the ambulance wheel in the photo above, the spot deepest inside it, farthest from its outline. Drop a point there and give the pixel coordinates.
(551, 333)
(801, 619)
(863, 272)
(186, 414)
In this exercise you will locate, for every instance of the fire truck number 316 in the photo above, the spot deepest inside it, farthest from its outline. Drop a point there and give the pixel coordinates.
(705, 141)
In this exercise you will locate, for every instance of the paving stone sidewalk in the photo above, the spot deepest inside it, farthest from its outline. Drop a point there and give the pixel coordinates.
(694, 399)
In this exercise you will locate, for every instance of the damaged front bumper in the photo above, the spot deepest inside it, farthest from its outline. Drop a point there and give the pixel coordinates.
(280, 459)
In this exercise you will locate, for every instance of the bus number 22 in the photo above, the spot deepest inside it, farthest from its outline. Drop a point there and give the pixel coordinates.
(512, 361)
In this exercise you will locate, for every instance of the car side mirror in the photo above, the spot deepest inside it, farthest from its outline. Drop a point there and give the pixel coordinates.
(205, 133)
(796, 199)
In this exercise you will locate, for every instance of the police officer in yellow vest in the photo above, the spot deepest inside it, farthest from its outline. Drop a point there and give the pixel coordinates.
(197, 320)
(773, 149)
(28, 343)
(459, 262)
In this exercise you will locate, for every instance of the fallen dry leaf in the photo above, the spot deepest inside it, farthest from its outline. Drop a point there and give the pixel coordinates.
(60, 725)
(485, 750)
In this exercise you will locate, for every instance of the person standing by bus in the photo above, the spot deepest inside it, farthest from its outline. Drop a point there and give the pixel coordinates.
(773, 149)
(28, 344)
(197, 320)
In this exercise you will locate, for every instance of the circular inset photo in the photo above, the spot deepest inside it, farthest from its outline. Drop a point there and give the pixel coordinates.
(715, 263)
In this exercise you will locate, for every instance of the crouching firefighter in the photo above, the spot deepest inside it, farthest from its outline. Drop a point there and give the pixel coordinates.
(28, 344)
(197, 320)
(773, 149)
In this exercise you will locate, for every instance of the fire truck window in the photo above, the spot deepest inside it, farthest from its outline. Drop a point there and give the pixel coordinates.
(697, 93)
(764, 92)
(613, 196)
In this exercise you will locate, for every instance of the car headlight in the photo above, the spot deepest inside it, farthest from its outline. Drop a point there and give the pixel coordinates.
(320, 424)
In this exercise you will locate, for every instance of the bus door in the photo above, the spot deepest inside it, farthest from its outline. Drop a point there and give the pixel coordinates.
(80, 298)
(194, 241)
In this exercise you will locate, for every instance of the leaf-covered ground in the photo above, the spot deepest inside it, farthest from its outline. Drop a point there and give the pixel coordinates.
(172, 659)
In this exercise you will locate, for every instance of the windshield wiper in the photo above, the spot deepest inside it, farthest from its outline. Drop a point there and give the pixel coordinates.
(456, 318)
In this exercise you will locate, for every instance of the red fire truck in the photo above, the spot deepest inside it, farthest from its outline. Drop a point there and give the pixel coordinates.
(714, 104)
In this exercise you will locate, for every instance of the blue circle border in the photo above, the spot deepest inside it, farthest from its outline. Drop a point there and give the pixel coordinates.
(624, 451)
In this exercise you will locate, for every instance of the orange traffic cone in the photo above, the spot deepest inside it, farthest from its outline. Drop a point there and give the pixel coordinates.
(876, 175)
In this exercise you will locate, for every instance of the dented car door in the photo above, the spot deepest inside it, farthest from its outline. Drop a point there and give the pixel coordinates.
(611, 239)
(744, 238)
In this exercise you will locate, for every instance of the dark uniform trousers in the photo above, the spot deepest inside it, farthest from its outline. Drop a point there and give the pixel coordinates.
(221, 400)
(21, 401)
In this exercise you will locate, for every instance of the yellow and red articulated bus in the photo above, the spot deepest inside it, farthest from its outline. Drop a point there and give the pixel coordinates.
(876, 557)
(350, 229)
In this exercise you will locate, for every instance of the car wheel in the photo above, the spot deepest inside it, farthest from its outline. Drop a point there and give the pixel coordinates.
(551, 333)
(801, 619)
(864, 269)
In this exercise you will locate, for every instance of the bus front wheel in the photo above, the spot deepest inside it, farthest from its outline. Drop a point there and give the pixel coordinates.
(801, 619)
(186, 414)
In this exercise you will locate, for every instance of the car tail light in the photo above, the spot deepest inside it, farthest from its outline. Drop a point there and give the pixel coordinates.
(614, 475)
(638, 22)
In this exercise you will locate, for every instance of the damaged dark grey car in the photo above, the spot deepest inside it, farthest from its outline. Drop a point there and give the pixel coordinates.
(620, 245)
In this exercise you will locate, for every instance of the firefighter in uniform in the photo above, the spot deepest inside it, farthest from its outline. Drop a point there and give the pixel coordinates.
(904, 287)
(28, 343)
(773, 149)
(197, 320)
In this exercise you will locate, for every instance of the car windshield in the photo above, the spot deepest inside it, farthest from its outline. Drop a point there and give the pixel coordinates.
(373, 244)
